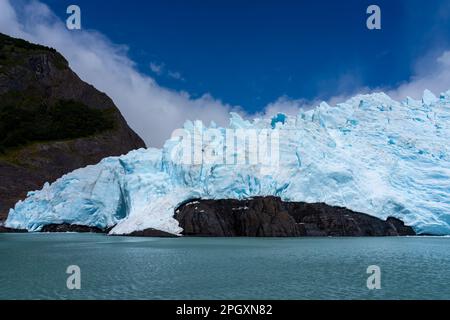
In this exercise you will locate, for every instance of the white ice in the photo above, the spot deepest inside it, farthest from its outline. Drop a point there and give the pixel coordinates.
(370, 154)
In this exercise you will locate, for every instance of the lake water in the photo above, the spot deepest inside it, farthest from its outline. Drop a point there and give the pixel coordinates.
(33, 266)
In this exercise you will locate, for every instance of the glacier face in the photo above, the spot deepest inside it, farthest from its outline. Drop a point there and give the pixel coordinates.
(370, 154)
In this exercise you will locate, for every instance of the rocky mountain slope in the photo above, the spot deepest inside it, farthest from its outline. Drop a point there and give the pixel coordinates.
(51, 122)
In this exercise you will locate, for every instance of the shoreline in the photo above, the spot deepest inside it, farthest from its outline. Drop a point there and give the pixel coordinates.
(211, 237)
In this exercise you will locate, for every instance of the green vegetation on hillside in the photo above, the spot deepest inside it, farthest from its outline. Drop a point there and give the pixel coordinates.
(23, 44)
(24, 122)
(28, 116)
(14, 51)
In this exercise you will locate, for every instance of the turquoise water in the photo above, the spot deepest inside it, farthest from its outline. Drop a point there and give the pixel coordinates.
(33, 266)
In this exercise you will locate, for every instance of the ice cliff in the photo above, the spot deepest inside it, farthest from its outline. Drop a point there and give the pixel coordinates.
(370, 154)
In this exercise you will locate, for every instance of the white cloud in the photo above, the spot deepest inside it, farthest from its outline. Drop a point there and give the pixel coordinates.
(175, 75)
(288, 106)
(157, 67)
(154, 111)
(431, 72)
(151, 110)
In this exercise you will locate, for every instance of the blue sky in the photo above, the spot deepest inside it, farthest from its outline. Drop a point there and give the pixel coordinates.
(250, 53)
(165, 62)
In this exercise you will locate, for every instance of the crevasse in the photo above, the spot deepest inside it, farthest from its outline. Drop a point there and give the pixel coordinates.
(370, 154)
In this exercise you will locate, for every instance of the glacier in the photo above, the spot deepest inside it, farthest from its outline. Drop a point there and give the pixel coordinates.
(370, 154)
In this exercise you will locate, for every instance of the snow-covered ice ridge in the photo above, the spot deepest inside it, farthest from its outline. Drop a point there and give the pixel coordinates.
(370, 154)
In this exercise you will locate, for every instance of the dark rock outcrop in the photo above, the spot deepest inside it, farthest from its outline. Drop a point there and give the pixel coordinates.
(33, 77)
(9, 230)
(271, 217)
(400, 226)
(65, 227)
(261, 217)
(150, 233)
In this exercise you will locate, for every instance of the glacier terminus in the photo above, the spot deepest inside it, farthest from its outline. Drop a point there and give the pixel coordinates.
(370, 154)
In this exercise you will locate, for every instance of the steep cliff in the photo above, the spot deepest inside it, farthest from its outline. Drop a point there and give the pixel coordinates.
(271, 217)
(51, 122)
